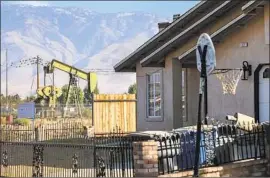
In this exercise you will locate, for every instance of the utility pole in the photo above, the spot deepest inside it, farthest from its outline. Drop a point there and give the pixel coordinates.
(7, 79)
(37, 71)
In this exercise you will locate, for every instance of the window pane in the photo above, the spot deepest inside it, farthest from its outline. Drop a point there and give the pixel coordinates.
(150, 79)
(150, 91)
(151, 103)
(157, 87)
(151, 111)
(158, 107)
(154, 94)
(157, 78)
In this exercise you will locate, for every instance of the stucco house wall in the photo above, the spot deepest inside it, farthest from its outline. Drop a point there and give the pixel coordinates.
(193, 83)
(229, 55)
(266, 22)
(192, 73)
(144, 123)
(171, 92)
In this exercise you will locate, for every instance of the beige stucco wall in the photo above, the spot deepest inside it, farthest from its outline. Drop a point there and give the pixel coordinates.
(266, 22)
(171, 105)
(229, 55)
(142, 122)
(192, 73)
(193, 82)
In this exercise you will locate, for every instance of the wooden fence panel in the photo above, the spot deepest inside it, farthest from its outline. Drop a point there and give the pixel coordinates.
(114, 111)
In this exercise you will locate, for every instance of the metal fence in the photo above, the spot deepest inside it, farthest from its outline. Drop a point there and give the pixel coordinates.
(61, 155)
(61, 110)
(60, 130)
(114, 154)
(219, 145)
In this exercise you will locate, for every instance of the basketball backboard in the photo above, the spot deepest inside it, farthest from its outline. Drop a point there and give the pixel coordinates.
(210, 58)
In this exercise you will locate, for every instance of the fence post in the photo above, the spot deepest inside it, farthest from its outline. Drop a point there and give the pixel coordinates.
(36, 134)
(92, 103)
(145, 155)
(267, 146)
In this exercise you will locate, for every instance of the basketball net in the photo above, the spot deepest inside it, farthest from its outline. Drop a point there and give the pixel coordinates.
(229, 79)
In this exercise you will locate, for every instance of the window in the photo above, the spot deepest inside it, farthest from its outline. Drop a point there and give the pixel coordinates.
(154, 100)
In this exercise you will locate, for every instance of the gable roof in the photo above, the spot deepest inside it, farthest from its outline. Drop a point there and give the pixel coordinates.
(153, 51)
(129, 63)
(181, 38)
(217, 35)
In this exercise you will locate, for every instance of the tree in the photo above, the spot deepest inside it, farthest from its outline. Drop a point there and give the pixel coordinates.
(12, 99)
(88, 96)
(132, 89)
(63, 97)
(30, 98)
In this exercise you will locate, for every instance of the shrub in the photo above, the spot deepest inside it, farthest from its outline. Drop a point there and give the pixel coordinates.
(87, 113)
(23, 121)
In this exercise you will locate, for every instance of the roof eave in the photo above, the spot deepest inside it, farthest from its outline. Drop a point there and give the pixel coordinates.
(184, 35)
(217, 36)
(247, 9)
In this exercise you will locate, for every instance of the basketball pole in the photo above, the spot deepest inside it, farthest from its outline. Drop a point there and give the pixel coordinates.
(205, 100)
(203, 78)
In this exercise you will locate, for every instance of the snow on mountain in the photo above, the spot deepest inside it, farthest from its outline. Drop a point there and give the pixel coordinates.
(76, 36)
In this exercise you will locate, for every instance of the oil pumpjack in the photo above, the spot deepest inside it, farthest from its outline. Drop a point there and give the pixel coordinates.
(47, 95)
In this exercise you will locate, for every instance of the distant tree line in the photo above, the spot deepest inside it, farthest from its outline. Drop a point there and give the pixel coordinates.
(84, 97)
(12, 99)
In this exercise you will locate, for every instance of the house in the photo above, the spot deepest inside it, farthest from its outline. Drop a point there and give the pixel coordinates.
(167, 76)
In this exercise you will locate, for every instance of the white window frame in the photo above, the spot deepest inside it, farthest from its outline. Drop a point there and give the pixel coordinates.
(160, 117)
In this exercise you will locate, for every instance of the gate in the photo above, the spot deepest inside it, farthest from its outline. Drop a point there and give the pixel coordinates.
(114, 110)
(103, 155)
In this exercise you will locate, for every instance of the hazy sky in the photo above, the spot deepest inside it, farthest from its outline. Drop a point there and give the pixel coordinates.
(161, 8)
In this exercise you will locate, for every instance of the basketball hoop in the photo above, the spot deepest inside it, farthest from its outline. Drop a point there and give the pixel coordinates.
(229, 79)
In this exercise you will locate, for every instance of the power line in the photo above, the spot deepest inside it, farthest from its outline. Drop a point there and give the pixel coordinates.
(29, 62)
(36, 61)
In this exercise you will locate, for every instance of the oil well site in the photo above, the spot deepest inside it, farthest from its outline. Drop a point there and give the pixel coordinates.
(185, 96)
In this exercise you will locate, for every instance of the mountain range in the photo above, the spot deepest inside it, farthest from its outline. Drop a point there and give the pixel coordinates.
(77, 36)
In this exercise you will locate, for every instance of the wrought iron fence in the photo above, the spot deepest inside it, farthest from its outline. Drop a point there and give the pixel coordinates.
(114, 154)
(26, 159)
(100, 155)
(219, 144)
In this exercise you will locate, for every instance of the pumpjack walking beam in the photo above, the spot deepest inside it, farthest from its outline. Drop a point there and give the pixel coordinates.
(73, 72)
